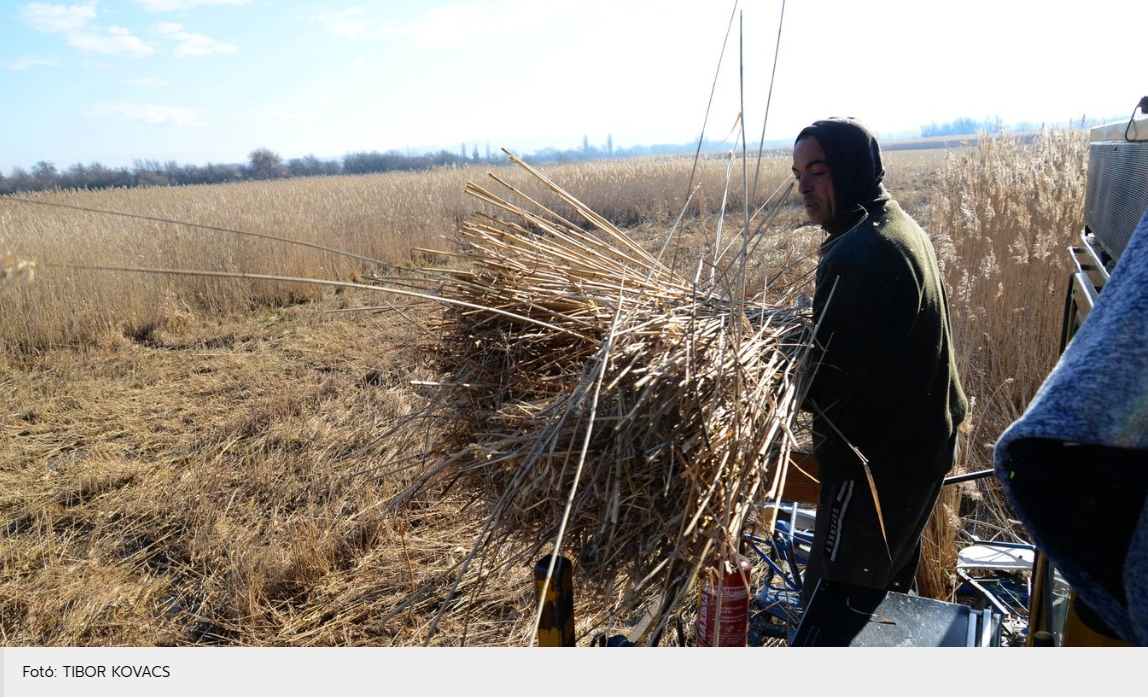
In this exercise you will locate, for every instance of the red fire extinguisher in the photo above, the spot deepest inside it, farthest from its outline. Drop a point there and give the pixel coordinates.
(723, 604)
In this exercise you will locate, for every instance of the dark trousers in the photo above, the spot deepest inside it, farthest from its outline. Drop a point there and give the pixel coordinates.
(850, 544)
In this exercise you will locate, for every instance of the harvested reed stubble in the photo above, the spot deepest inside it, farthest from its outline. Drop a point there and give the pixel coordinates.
(610, 408)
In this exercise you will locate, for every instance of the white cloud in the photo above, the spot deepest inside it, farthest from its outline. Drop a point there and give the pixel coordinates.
(171, 5)
(153, 114)
(74, 22)
(149, 82)
(110, 41)
(30, 62)
(53, 19)
(190, 45)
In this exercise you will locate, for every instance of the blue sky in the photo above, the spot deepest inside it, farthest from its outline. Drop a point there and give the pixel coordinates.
(197, 81)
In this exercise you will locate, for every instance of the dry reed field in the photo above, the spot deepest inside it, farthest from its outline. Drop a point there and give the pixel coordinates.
(191, 459)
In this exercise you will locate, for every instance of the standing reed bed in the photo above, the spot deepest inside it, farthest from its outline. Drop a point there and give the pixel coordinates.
(14, 271)
(241, 228)
(1006, 213)
(236, 228)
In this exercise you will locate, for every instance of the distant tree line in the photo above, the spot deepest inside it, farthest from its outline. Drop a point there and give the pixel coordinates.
(264, 164)
(962, 127)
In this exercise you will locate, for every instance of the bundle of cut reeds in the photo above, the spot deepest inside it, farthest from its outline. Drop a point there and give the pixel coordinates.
(612, 410)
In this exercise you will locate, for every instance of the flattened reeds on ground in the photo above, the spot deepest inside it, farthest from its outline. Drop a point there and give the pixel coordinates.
(223, 481)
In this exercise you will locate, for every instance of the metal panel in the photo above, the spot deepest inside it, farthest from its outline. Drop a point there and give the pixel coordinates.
(844, 615)
(1117, 193)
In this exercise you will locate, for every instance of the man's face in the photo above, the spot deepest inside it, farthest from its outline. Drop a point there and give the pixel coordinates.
(814, 182)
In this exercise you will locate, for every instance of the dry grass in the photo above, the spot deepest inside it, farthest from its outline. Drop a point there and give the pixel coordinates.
(198, 461)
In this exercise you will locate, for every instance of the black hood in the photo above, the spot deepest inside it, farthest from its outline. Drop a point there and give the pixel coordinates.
(854, 159)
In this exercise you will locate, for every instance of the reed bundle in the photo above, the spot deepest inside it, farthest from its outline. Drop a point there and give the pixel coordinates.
(612, 410)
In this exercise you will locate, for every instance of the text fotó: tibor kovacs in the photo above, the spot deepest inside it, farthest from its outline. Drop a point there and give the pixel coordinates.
(99, 671)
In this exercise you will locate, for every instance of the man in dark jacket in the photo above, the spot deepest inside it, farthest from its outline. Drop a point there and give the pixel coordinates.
(885, 396)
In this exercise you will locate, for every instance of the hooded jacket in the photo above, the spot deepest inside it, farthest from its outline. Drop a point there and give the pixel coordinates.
(884, 382)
